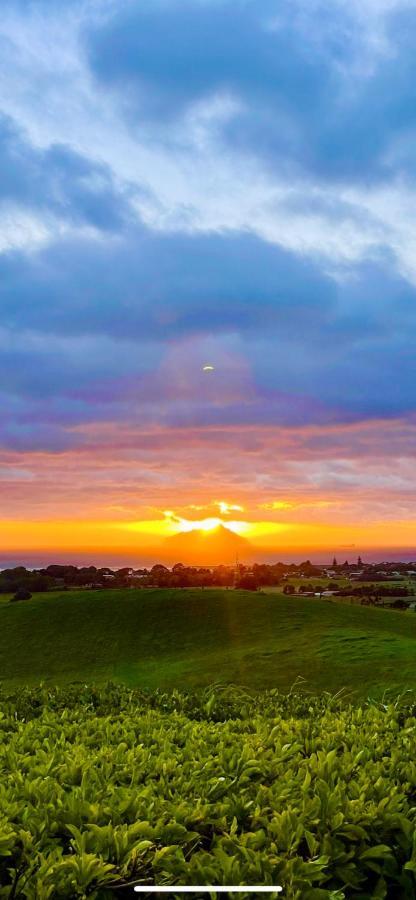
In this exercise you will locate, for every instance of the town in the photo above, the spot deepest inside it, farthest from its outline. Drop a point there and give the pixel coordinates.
(386, 584)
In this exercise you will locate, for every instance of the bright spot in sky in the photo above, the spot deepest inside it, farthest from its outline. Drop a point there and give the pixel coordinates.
(207, 368)
(202, 525)
(180, 524)
(228, 507)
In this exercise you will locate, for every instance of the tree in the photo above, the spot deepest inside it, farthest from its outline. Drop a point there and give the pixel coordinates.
(289, 589)
(334, 562)
(399, 604)
(247, 583)
(307, 568)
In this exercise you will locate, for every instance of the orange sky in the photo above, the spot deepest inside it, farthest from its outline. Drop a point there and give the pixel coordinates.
(335, 489)
(78, 535)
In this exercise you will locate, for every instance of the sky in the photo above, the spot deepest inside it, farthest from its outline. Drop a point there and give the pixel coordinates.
(221, 183)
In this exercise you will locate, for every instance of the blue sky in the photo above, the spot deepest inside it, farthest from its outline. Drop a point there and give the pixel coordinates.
(230, 181)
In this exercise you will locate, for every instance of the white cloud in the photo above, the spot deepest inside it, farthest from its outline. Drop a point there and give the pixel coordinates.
(336, 474)
(20, 229)
(194, 183)
(23, 229)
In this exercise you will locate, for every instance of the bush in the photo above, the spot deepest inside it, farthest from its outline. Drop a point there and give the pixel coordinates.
(247, 583)
(21, 594)
(102, 788)
(289, 589)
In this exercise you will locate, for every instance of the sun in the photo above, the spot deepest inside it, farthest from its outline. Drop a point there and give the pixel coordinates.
(201, 525)
(177, 524)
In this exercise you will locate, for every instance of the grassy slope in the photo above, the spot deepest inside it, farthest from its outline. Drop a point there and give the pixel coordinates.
(189, 638)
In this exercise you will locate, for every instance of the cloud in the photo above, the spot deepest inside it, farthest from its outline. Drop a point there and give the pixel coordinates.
(307, 78)
(197, 172)
(46, 193)
(195, 181)
(158, 285)
(124, 472)
(288, 345)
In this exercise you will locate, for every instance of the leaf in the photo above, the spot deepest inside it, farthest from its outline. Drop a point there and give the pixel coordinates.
(380, 851)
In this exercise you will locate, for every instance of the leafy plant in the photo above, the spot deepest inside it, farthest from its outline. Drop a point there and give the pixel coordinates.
(104, 788)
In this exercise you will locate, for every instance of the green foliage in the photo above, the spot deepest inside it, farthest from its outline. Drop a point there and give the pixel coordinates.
(102, 788)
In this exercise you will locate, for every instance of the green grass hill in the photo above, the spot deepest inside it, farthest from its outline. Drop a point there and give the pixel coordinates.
(191, 638)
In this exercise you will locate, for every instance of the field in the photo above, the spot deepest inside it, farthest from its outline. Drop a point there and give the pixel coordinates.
(191, 638)
(343, 582)
(157, 778)
(309, 793)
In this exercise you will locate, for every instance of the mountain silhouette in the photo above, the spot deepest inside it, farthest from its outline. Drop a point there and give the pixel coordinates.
(217, 546)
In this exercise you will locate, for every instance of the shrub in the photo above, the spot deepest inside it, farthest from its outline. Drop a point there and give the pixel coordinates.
(289, 589)
(102, 788)
(21, 594)
(247, 583)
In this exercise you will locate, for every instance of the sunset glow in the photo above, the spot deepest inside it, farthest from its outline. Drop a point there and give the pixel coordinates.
(208, 279)
(309, 494)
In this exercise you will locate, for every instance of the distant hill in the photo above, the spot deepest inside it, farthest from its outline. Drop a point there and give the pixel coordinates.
(215, 547)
